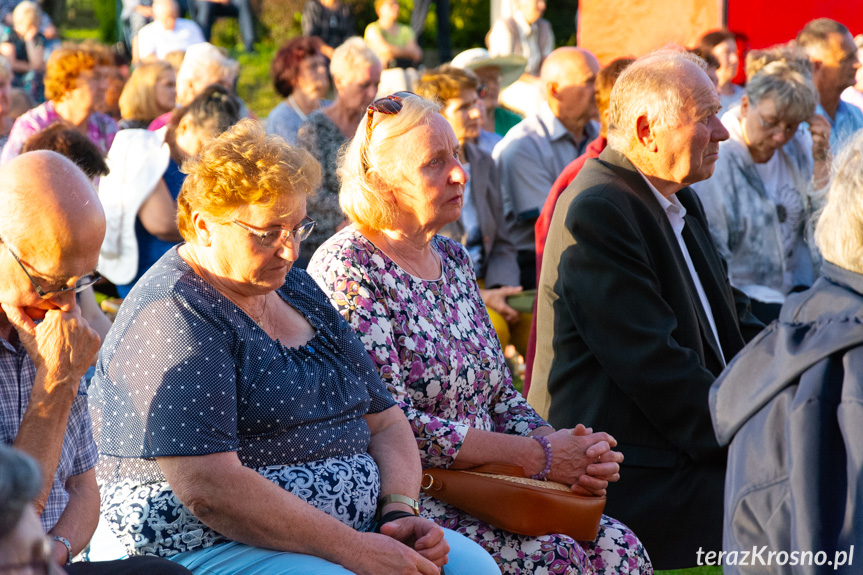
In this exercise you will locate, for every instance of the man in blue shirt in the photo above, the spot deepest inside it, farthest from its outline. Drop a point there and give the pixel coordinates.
(833, 54)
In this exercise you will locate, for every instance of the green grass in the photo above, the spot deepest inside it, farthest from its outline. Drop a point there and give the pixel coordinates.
(254, 85)
(80, 34)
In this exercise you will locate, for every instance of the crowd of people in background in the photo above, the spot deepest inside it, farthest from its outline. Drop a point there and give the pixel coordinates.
(306, 310)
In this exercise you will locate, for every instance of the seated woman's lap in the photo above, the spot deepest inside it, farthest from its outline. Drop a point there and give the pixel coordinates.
(465, 558)
(615, 550)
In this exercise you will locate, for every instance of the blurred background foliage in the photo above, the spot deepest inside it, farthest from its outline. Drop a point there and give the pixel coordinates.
(279, 20)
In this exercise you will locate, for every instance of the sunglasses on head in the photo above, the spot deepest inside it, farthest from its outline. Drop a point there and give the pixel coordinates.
(389, 105)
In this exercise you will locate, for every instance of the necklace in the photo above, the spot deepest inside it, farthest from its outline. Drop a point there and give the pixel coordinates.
(260, 319)
(202, 273)
(402, 257)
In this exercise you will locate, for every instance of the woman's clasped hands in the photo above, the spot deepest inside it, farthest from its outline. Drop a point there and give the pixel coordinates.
(584, 459)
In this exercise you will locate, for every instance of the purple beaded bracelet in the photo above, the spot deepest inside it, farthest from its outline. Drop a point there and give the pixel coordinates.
(546, 446)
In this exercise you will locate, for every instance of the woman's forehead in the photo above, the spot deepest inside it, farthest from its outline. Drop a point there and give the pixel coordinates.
(285, 208)
(425, 138)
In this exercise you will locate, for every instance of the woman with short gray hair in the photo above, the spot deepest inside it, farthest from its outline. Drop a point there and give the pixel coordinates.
(356, 73)
(767, 184)
(790, 402)
(411, 294)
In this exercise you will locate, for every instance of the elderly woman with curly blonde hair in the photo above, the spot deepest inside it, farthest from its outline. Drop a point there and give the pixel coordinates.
(74, 86)
(244, 427)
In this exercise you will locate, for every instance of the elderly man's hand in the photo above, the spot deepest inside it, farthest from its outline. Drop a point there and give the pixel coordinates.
(425, 537)
(496, 299)
(584, 459)
(62, 345)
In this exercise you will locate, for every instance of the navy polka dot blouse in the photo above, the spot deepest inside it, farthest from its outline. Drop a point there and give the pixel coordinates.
(184, 371)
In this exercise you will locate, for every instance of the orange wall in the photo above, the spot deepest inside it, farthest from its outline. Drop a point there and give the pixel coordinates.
(615, 28)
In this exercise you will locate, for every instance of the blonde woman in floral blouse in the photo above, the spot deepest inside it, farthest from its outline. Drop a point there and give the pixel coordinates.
(412, 297)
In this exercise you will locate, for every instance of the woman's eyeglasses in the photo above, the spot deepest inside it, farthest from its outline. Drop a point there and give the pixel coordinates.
(389, 105)
(282, 236)
(773, 127)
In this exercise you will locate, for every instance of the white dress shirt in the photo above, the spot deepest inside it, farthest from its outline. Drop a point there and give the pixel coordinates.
(675, 213)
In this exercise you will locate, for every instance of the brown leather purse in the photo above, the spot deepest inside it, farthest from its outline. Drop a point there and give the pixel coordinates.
(503, 496)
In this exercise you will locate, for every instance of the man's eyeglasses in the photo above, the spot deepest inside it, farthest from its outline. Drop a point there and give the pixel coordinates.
(389, 105)
(282, 236)
(482, 90)
(82, 283)
(775, 127)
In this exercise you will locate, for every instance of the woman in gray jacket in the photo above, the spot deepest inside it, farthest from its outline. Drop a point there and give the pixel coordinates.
(765, 189)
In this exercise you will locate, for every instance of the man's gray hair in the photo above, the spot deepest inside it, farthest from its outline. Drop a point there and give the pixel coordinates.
(650, 86)
(19, 483)
(814, 36)
(790, 88)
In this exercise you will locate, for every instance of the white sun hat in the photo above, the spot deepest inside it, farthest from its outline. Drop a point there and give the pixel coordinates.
(511, 67)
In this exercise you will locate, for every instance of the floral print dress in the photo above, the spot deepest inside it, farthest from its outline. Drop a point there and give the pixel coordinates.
(436, 350)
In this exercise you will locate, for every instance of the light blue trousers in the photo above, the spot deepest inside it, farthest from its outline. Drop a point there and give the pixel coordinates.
(465, 558)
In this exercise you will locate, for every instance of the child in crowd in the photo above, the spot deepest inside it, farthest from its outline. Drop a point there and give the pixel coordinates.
(24, 46)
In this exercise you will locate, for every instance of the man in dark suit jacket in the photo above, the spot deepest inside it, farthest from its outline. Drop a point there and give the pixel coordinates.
(636, 315)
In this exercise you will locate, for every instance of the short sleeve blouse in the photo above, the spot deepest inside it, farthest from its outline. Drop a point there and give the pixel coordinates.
(184, 371)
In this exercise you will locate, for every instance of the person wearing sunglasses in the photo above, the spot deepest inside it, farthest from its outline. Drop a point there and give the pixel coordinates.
(48, 254)
(140, 192)
(769, 182)
(412, 296)
(240, 413)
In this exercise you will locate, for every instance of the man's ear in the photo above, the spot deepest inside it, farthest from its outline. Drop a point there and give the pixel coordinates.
(816, 66)
(552, 89)
(644, 134)
(744, 106)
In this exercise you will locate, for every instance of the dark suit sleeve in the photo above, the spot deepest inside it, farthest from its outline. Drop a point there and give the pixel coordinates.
(612, 291)
(750, 326)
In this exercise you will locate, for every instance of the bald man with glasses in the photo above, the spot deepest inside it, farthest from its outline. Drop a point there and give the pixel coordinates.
(51, 230)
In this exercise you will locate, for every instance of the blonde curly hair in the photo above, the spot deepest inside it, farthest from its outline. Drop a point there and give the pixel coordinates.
(244, 166)
(66, 64)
